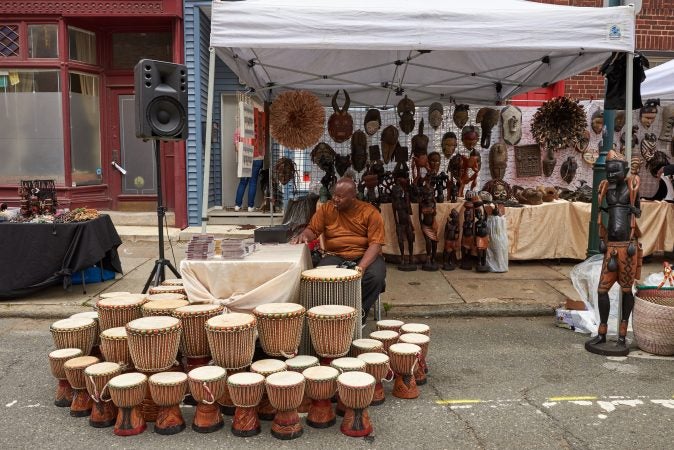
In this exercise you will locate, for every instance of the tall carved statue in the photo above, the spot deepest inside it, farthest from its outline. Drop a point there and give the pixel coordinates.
(402, 214)
(619, 242)
(452, 243)
(429, 226)
(468, 236)
(481, 235)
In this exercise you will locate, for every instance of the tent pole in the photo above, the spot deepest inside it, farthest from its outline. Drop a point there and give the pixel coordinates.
(209, 132)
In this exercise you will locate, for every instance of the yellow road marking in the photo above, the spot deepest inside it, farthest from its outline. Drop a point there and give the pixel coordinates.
(572, 398)
(457, 402)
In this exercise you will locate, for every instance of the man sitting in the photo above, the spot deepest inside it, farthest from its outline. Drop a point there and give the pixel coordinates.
(353, 231)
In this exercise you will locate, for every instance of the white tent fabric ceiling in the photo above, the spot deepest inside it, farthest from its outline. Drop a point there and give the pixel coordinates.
(659, 82)
(477, 51)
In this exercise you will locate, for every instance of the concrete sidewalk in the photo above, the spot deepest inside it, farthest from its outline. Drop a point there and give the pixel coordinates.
(528, 288)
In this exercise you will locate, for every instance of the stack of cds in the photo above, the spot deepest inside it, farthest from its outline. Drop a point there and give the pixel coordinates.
(233, 249)
(200, 247)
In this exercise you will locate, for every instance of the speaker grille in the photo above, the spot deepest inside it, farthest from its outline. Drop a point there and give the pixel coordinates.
(165, 116)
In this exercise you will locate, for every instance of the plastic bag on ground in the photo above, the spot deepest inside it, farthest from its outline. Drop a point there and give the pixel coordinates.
(497, 252)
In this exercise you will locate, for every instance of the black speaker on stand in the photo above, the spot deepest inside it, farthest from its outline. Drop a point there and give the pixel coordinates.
(161, 115)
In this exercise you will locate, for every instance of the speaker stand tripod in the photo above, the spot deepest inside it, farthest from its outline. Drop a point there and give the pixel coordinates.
(157, 274)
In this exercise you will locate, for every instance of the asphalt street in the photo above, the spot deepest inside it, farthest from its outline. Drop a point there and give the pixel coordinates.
(501, 383)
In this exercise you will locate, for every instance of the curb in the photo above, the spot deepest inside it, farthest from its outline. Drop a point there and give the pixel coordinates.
(52, 312)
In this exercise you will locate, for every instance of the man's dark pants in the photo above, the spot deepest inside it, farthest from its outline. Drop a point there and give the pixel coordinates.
(373, 282)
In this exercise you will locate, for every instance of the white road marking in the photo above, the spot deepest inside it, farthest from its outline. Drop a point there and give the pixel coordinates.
(602, 416)
(666, 403)
(10, 404)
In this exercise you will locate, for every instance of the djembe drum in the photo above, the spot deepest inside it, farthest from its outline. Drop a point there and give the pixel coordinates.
(74, 333)
(266, 367)
(343, 365)
(167, 390)
(153, 342)
(112, 294)
(422, 341)
(166, 296)
(330, 285)
(389, 324)
(246, 390)
(321, 385)
(331, 330)
(285, 391)
(420, 328)
(118, 311)
(194, 342)
(207, 384)
(299, 364)
(74, 368)
(386, 337)
(279, 327)
(365, 345)
(404, 358)
(163, 289)
(172, 282)
(162, 307)
(96, 349)
(356, 390)
(377, 365)
(97, 376)
(127, 392)
(115, 347)
(57, 358)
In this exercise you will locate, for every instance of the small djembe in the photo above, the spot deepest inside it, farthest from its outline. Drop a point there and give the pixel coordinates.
(422, 341)
(321, 385)
(377, 365)
(97, 376)
(127, 392)
(266, 367)
(167, 390)
(346, 364)
(207, 384)
(285, 391)
(356, 390)
(57, 358)
(404, 359)
(246, 389)
(74, 368)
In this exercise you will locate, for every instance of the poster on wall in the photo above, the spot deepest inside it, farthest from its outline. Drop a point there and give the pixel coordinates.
(245, 147)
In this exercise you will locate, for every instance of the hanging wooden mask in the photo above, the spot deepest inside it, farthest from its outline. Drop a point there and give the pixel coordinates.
(406, 114)
(469, 137)
(511, 124)
(568, 169)
(372, 121)
(342, 163)
(359, 150)
(435, 113)
(449, 143)
(420, 141)
(498, 160)
(487, 118)
(375, 153)
(460, 116)
(324, 151)
(340, 123)
(389, 139)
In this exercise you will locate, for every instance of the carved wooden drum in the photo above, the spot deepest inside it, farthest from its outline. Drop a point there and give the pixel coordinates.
(331, 329)
(386, 337)
(366, 345)
(377, 365)
(172, 282)
(118, 311)
(74, 369)
(299, 364)
(356, 390)
(153, 342)
(266, 367)
(422, 341)
(404, 359)
(162, 307)
(164, 289)
(330, 285)
(57, 358)
(97, 376)
(246, 390)
(90, 315)
(168, 390)
(127, 392)
(112, 294)
(166, 296)
(207, 384)
(420, 328)
(279, 327)
(74, 333)
(231, 338)
(194, 341)
(285, 391)
(115, 347)
(347, 364)
(389, 324)
(321, 385)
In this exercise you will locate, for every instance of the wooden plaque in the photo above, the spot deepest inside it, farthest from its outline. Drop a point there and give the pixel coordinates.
(528, 161)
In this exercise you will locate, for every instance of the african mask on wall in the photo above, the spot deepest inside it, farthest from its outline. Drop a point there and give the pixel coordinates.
(619, 121)
(406, 110)
(435, 113)
(375, 153)
(597, 121)
(498, 160)
(342, 163)
(487, 118)
(359, 150)
(420, 141)
(389, 139)
(469, 137)
(648, 112)
(511, 120)
(568, 169)
(340, 123)
(372, 121)
(434, 161)
(460, 115)
(322, 151)
(449, 144)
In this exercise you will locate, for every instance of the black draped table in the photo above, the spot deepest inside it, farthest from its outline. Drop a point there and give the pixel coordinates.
(36, 255)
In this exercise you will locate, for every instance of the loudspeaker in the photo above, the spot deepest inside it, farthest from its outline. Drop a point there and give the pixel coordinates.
(161, 100)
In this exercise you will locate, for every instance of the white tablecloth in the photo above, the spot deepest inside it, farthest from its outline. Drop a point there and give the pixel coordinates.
(269, 275)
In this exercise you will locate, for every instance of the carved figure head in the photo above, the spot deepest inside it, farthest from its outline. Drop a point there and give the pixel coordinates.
(498, 160)
(449, 144)
(372, 121)
(460, 115)
(340, 123)
(434, 160)
(648, 112)
(597, 121)
(435, 113)
(619, 122)
(469, 137)
(511, 119)
(420, 141)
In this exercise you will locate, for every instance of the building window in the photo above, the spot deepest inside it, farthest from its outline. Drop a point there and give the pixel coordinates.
(9, 40)
(31, 126)
(85, 129)
(82, 45)
(43, 41)
(129, 48)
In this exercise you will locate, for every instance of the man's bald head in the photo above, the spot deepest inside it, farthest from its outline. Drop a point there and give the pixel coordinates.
(344, 193)
(347, 182)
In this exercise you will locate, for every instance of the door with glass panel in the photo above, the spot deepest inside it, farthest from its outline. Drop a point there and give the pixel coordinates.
(132, 168)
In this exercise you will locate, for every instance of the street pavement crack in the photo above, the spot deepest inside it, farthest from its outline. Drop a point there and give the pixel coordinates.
(466, 423)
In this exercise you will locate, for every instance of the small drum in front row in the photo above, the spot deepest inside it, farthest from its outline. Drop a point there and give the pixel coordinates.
(207, 384)
(246, 391)
(346, 364)
(422, 341)
(97, 376)
(331, 329)
(231, 338)
(95, 351)
(127, 392)
(321, 385)
(118, 311)
(167, 390)
(404, 359)
(377, 365)
(153, 342)
(299, 364)
(57, 358)
(389, 324)
(279, 327)
(74, 368)
(386, 337)
(75, 333)
(194, 342)
(266, 367)
(356, 390)
(115, 347)
(285, 391)
(366, 345)
(420, 328)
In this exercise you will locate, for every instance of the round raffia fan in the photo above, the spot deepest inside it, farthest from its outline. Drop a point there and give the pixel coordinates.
(559, 123)
(297, 119)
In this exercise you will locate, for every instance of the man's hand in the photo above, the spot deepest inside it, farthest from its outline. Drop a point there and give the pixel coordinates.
(304, 237)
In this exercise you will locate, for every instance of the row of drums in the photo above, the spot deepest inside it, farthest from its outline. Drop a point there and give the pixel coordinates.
(140, 379)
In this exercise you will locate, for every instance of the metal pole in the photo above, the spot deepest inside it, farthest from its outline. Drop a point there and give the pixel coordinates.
(209, 132)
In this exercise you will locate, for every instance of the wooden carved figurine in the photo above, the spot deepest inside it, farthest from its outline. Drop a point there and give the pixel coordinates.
(464, 170)
(429, 226)
(619, 242)
(481, 234)
(402, 214)
(468, 236)
(452, 242)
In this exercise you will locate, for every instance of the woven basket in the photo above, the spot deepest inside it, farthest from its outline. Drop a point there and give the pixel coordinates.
(653, 326)
(662, 296)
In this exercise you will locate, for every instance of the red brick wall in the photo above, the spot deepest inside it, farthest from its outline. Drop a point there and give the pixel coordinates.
(655, 32)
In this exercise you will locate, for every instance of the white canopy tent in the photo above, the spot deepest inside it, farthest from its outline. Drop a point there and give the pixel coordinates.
(659, 82)
(477, 51)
